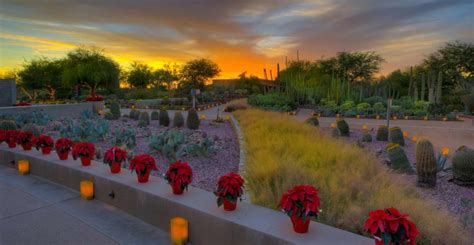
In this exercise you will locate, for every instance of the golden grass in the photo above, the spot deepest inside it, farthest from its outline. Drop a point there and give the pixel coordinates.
(282, 153)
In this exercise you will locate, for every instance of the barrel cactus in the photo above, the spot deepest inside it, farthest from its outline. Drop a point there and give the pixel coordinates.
(178, 120)
(134, 114)
(155, 116)
(313, 121)
(382, 133)
(30, 127)
(343, 127)
(8, 125)
(164, 118)
(398, 159)
(367, 137)
(109, 116)
(426, 167)
(115, 109)
(396, 136)
(144, 119)
(193, 119)
(463, 166)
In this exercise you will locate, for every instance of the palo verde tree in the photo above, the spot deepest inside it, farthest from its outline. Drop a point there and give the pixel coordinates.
(166, 76)
(140, 75)
(41, 73)
(89, 67)
(195, 73)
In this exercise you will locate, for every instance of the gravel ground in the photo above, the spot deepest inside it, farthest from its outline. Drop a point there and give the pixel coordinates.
(206, 170)
(446, 194)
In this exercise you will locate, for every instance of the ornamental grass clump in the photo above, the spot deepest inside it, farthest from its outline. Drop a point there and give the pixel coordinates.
(283, 153)
(179, 175)
(45, 143)
(229, 191)
(114, 158)
(85, 151)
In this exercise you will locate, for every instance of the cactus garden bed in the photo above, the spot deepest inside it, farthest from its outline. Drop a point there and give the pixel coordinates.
(207, 166)
(459, 200)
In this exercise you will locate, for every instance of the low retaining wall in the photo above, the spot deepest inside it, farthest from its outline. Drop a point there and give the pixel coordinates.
(54, 111)
(154, 203)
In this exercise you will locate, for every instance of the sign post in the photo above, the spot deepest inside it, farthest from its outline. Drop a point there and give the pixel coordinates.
(195, 92)
(389, 105)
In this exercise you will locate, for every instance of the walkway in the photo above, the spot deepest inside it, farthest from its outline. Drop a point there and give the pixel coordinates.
(36, 211)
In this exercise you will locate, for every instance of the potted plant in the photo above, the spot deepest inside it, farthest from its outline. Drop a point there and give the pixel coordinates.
(85, 151)
(26, 140)
(389, 226)
(179, 176)
(11, 138)
(114, 158)
(63, 147)
(3, 135)
(143, 164)
(300, 204)
(46, 143)
(229, 189)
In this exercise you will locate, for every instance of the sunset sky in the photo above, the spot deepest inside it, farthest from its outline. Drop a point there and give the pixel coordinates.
(239, 35)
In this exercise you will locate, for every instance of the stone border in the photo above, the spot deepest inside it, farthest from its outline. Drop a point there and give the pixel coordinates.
(54, 111)
(242, 154)
(154, 203)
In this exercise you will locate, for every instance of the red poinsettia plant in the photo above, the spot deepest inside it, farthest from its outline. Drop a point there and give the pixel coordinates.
(142, 165)
(94, 97)
(114, 157)
(63, 145)
(25, 138)
(179, 175)
(229, 188)
(44, 141)
(11, 137)
(3, 135)
(83, 150)
(301, 201)
(23, 103)
(391, 226)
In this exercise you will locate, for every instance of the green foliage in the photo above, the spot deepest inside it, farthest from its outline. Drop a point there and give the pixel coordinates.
(140, 75)
(350, 113)
(382, 133)
(426, 167)
(166, 76)
(144, 119)
(343, 127)
(178, 120)
(437, 109)
(398, 159)
(193, 121)
(251, 84)
(115, 110)
(363, 107)
(422, 105)
(196, 72)
(203, 148)
(463, 166)
(8, 125)
(155, 116)
(88, 128)
(379, 107)
(313, 121)
(374, 99)
(168, 143)
(272, 101)
(347, 105)
(32, 128)
(125, 138)
(396, 136)
(42, 73)
(164, 118)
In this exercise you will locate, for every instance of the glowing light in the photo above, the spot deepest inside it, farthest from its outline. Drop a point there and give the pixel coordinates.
(179, 230)
(87, 189)
(23, 167)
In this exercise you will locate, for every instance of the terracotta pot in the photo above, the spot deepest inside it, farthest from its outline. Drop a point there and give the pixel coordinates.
(115, 167)
(229, 206)
(143, 178)
(26, 146)
(63, 156)
(46, 150)
(86, 161)
(11, 144)
(177, 190)
(300, 226)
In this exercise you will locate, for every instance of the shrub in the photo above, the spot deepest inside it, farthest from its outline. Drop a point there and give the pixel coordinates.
(115, 109)
(422, 105)
(437, 109)
(164, 118)
(282, 153)
(382, 133)
(8, 125)
(30, 127)
(398, 158)
(144, 119)
(379, 108)
(343, 127)
(155, 116)
(134, 114)
(178, 120)
(234, 107)
(350, 113)
(347, 105)
(272, 101)
(313, 121)
(363, 107)
(193, 119)
(373, 100)
(396, 136)
(463, 166)
(426, 167)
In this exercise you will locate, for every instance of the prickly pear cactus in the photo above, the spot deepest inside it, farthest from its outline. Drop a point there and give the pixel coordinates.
(398, 159)
(343, 127)
(396, 136)
(463, 166)
(426, 167)
(382, 133)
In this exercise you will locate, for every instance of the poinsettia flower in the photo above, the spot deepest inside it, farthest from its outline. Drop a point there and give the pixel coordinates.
(44, 141)
(179, 173)
(63, 145)
(83, 149)
(302, 200)
(143, 163)
(376, 223)
(115, 154)
(24, 137)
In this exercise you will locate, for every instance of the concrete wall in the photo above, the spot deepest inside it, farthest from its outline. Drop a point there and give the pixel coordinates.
(7, 92)
(154, 203)
(54, 111)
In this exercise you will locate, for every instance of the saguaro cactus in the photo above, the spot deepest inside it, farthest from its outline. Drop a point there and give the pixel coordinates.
(426, 167)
